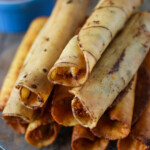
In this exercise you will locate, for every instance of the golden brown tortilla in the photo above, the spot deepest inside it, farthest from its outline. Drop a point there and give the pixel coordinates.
(113, 71)
(43, 131)
(139, 138)
(32, 82)
(83, 139)
(61, 106)
(19, 58)
(116, 123)
(85, 49)
(16, 114)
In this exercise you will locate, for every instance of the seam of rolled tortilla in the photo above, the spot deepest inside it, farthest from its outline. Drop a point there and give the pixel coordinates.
(46, 50)
(110, 77)
(19, 58)
(91, 42)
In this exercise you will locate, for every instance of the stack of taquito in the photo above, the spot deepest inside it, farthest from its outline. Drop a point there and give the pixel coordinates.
(99, 72)
(25, 95)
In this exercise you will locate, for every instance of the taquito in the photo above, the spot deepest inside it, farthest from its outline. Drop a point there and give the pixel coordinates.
(116, 123)
(19, 58)
(113, 71)
(129, 143)
(139, 139)
(85, 49)
(83, 139)
(61, 106)
(16, 114)
(42, 132)
(142, 86)
(32, 82)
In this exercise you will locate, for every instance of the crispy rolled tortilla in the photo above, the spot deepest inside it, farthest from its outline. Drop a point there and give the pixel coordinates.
(143, 85)
(16, 114)
(42, 132)
(60, 27)
(84, 50)
(61, 107)
(83, 139)
(15, 109)
(129, 143)
(116, 123)
(19, 58)
(139, 139)
(113, 71)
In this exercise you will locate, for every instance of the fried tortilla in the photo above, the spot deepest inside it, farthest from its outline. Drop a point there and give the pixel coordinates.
(116, 123)
(32, 82)
(19, 58)
(61, 107)
(139, 138)
(43, 131)
(113, 72)
(83, 139)
(85, 49)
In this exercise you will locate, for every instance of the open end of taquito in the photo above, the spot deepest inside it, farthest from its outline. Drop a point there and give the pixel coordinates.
(15, 108)
(42, 132)
(83, 139)
(61, 106)
(84, 50)
(16, 114)
(129, 143)
(41, 135)
(80, 113)
(113, 71)
(70, 68)
(60, 27)
(116, 123)
(19, 58)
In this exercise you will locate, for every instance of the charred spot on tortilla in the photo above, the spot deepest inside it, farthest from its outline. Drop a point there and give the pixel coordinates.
(96, 22)
(45, 50)
(134, 7)
(25, 76)
(111, 3)
(144, 45)
(17, 87)
(46, 38)
(44, 70)
(69, 1)
(117, 64)
(40, 100)
(34, 86)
